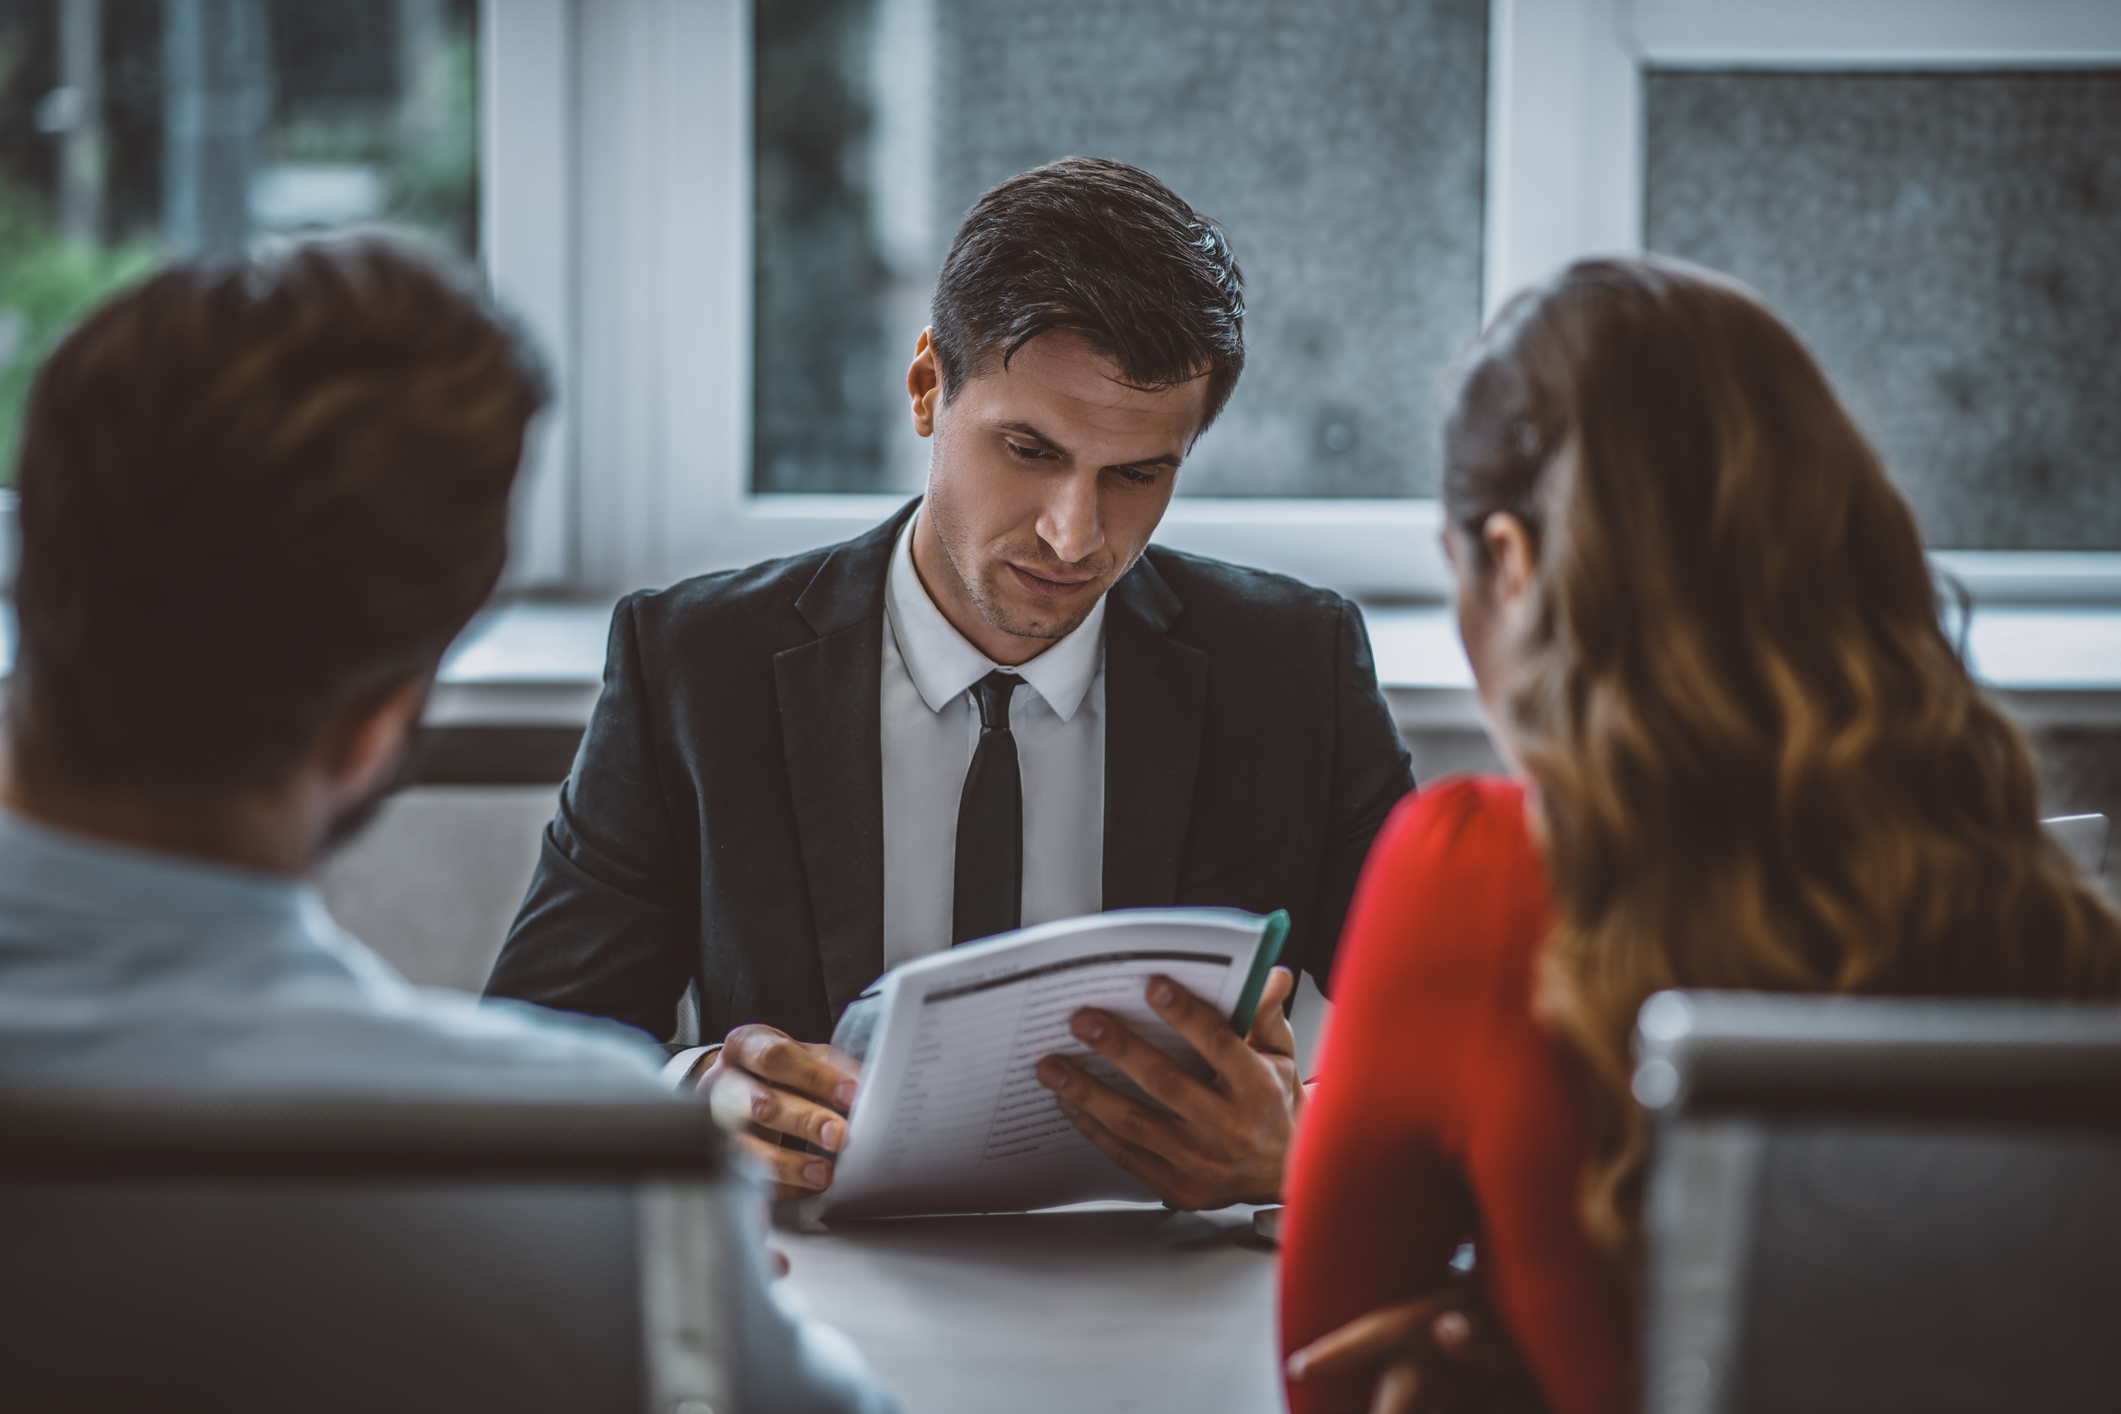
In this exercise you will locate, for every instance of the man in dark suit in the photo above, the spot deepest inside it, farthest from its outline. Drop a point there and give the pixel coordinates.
(999, 707)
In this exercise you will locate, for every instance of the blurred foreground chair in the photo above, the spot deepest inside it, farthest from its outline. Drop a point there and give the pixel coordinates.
(300, 1253)
(1881, 1205)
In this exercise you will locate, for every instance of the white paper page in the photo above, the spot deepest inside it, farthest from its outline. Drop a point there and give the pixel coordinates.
(951, 1118)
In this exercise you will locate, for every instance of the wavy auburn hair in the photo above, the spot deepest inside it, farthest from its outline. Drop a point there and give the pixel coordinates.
(1758, 762)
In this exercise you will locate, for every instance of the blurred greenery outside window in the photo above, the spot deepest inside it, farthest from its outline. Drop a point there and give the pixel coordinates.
(138, 131)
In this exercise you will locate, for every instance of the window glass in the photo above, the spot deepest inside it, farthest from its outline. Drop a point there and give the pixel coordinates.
(133, 131)
(1950, 246)
(1341, 143)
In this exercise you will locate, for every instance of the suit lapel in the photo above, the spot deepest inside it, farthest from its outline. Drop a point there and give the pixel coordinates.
(829, 690)
(1156, 693)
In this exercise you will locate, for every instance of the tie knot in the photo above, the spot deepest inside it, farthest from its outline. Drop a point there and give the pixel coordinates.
(992, 693)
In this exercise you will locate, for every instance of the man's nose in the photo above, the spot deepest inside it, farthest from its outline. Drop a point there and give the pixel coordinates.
(1070, 523)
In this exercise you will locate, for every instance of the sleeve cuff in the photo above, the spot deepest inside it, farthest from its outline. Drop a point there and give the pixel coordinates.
(679, 1066)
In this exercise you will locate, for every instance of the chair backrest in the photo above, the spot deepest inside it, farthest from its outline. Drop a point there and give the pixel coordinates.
(2084, 836)
(267, 1252)
(1881, 1205)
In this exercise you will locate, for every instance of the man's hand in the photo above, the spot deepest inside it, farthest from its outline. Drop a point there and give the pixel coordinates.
(1440, 1352)
(1225, 1140)
(765, 1084)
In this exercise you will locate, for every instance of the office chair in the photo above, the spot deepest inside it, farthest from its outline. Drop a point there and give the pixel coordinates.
(1881, 1205)
(172, 1251)
(2084, 836)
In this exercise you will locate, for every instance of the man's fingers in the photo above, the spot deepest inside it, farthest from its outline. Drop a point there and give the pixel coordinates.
(790, 1168)
(1133, 1122)
(1221, 1143)
(1398, 1389)
(1209, 1032)
(1163, 1179)
(774, 1055)
(740, 1100)
(1271, 1032)
(1144, 1064)
(1363, 1341)
(1281, 981)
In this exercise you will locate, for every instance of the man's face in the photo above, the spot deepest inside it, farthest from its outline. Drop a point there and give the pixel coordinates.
(1047, 478)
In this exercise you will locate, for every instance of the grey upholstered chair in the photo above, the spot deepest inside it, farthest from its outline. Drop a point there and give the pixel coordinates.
(1877, 1205)
(302, 1253)
(2084, 836)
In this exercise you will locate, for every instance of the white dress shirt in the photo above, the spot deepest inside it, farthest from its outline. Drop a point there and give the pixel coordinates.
(930, 730)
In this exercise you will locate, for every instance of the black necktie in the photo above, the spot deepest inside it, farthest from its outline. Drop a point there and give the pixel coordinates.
(990, 823)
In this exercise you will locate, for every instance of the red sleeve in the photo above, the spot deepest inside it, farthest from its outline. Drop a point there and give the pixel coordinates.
(1444, 1112)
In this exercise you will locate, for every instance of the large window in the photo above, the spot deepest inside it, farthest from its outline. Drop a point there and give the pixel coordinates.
(136, 130)
(725, 217)
(1950, 245)
(1341, 143)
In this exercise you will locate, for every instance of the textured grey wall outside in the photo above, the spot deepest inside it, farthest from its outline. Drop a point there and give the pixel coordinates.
(1950, 246)
(1342, 144)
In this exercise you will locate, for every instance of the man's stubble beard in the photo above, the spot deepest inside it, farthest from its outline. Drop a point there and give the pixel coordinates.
(991, 607)
(349, 824)
(983, 593)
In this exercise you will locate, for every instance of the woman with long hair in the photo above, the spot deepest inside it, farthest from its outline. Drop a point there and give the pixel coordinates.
(1706, 638)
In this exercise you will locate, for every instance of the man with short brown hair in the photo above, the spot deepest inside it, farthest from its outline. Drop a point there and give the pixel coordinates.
(1001, 707)
(257, 502)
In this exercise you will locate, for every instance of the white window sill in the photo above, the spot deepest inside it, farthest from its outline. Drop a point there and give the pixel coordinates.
(543, 663)
(536, 662)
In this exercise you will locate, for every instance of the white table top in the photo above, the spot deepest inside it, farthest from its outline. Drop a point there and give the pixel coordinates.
(1040, 1313)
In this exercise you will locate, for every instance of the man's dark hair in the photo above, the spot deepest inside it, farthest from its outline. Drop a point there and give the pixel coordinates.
(255, 495)
(1105, 251)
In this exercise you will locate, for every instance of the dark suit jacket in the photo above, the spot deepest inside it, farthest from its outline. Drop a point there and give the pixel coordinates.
(725, 817)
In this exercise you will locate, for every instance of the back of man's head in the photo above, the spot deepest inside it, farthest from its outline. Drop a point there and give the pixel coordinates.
(256, 496)
(1102, 250)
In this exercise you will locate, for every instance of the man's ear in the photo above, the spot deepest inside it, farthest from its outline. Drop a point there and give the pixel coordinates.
(371, 743)
(924, 381)
(1510, 551)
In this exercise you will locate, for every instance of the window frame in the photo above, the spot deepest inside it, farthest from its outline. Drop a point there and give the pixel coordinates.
(615, 125)
(1566, 149)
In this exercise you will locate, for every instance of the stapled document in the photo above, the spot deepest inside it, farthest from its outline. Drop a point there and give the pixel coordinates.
(950, 1117)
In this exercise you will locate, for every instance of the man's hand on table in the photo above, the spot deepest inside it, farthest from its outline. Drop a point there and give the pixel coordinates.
(1225, 1140)
(764, 1084)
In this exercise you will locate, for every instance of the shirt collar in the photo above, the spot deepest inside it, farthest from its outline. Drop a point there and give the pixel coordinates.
(943, 664)
(71, 874)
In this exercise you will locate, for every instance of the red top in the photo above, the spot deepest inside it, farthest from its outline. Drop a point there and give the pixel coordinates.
(1446, 1113)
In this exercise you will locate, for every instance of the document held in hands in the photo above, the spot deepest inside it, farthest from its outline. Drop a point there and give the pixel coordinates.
(950, 1117)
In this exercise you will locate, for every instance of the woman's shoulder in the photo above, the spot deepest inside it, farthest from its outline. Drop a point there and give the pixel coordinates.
(1468, 821)
(1454, 884)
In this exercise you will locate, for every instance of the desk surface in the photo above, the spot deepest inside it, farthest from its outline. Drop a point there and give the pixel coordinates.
(1062, 1311)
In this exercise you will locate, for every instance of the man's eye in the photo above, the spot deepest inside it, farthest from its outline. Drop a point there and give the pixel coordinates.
(1135, 476)
(1029, 454)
